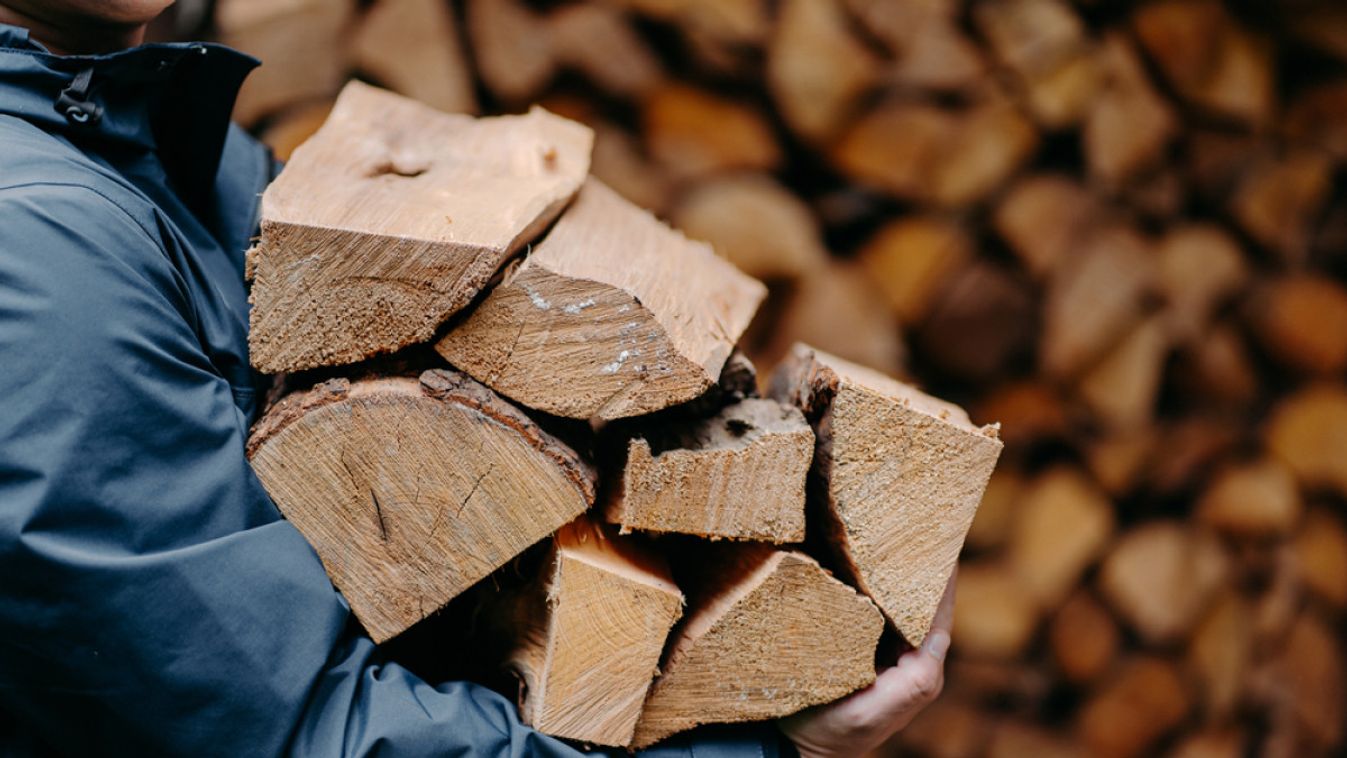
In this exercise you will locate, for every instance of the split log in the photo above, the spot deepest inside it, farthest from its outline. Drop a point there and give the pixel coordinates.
(512, 47)
(1222, 742)
(410, 491)
(1220, 654)
(1319, 117)
(1217, 369)
(1161, 576)
(1044, 43)
(738, 475)
(1136, 709)
(1309, 675)
(994, 617)
(1278, 200)
(749, 218)
(1044, 218)
(726, 22)
(612, 315)
(301, 43)
(1256, 499)
(294, 126)
(1308, 430)
(693, 133)
(770, 633)
(590, 644)
(1320, 557)
(599, 42)
(817, 70)
(393, 217)
(412, 46)
(1199, 267)
(939, 57)
(1123, 386)
(1187, 449)
(998, 510)
(1018, 740)
(901, 475)
(898, 25)
(1128, 125)
(1021, 686)
(1117, 458)
(1063, 524)
(911, 258)
(1301, 320)
(1029, 412)
(947, 728)
(620, 162)
(1084, 638)
(981, 322)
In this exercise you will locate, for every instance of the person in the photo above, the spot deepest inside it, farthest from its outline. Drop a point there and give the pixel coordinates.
(152, 600)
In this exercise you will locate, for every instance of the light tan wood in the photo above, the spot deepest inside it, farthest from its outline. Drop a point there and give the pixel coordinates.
(1254, 499)
(911, 258)
(512, 47)
(693, 133)
(769, 634)
(393, 217)
(1301, 320)
(1029, 411)
(938, 57)
(612, 315)
(947, 728)
(1198, 268)
(1308, 430)
(998, 510)
(412, 47)
(1044, 218)
(1084, 638)
(589, 659)
(1319, 553)
(621, 163)
(1220, 654)
(817, 70)
(738, 475)
(1062, 524)
(302, 46)
(1280, 197)
(1308, 676)
(736, 22)
(1045, 44)
(1145, 701)
(1116, 460)
(901, 474)
(754, 222)
(994, 617)
(1161, 576)
(1128, 124)
(412, 490)
(1212, 742)
(599, 42)
(1122, 388)
(1012, 739)
(294, 126)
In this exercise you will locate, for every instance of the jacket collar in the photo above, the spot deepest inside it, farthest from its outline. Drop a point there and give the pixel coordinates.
(174, 99)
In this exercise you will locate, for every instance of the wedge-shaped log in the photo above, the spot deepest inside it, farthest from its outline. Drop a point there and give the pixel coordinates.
(394, 216)
(411, 490)
(589, 653)
(614, 314)
(901, 475)
(770, 633)
(739, 475)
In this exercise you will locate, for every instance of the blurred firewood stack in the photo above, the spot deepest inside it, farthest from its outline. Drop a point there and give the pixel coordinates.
(1119, 228)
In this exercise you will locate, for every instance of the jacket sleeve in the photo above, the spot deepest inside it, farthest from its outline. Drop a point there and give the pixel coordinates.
(149, 588)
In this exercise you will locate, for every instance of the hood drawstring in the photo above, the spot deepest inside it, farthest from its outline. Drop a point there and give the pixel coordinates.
(76, 103)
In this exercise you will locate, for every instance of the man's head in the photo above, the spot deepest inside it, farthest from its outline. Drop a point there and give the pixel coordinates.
(83, 26)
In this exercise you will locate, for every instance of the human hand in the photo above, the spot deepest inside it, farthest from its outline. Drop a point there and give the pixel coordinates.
(863, 720)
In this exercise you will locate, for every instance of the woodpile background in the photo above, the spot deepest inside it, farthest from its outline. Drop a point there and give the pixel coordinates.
(1118, 228)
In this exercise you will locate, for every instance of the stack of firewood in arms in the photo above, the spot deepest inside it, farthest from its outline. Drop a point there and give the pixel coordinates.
(1117, 228)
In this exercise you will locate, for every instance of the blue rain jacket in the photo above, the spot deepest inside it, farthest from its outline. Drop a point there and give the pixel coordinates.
(152, 599)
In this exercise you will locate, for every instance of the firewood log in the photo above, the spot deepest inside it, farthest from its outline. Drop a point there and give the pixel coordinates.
(1318, 117)
(1308, 430)
(998, 509)
(1278, 199)
(982, 321)
(412, 46)
(1308, 675)
(947, 728)
(600, 43)
(1161, 576)
(1116, 459)
(939, 57)
(994, 617)
(692, 133)
(612, 315)
(512, 47)
(1213, 742)
(1044, 218)
(769, 633)
(294, 126)
(1320, 556)
(1121, 389)
(911, 258)
(1029, 412)
(1301, 320)
(1145, 701)
(1063, 523)
(1128, 124)
(1255, 499)
(393, 217)
(1198, 268)
(620, 162)
(739, 475)
(1218, 370)
(411, 490)
(817, 70)
(1220, 653)
(1044, 44)
(901, 473)
(1084, 638)
(1017, 740)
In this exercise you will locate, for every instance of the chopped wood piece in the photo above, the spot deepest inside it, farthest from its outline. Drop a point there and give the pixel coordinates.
(621, 163)
(1216, 159)
(1320, 556)
(1129, 124)
(592, 648)
(612, 315)
(1278, 200)
(901, 474)
(1017, 740)
(898, 25)
(816, 69)
(1063, 523)
(1044, 43)
(926, 153)
(1309, 675)
(1022, 685)
(998, 509)
(1277, 604)
(1223, 742)
(771, 633)
(1217, 369)
(1043, 218)
(946, 728)
(1308, 430)
(1160, 577)
(1187, 449)
(1210, 59)
(981, 322)
(993, 615)
(1302, 321)
(300, 42)
(1255, 499)
(736, 22)
(1094, 298)
(1029, 412)
(600, 43)
(1122, 388)
(1319, 117)
(757, 224)
(294, 126)
(413, 47)
(740, 475)
(1198, 267)
(1220, 653)
(1084, 638)
(393, 217)
(693, 133)
(1141, 705)
(512, 46)
(939, 57)
(910, 258)
(360, 469)
(1116, 459)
